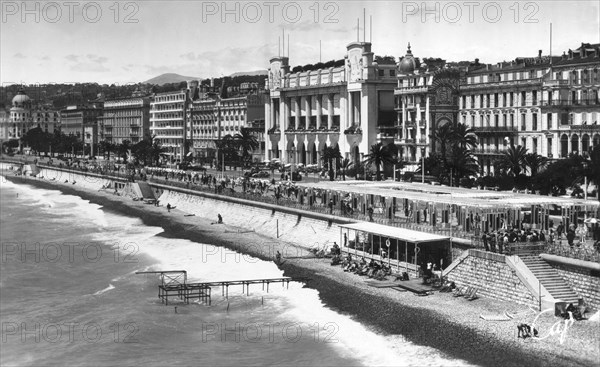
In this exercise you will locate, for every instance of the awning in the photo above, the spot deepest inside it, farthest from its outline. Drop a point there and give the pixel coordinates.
(395, 232)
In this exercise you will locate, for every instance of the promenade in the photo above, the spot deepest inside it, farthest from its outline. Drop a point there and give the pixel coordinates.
(459, 213)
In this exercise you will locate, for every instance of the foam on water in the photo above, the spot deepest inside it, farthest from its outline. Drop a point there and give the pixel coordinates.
(348, 337)
(56, 202)
(110, 286)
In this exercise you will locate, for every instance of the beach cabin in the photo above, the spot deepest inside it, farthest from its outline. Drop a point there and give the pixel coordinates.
(404, 250)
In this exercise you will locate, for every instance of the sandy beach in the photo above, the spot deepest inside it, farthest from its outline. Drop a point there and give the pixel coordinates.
(451, 325)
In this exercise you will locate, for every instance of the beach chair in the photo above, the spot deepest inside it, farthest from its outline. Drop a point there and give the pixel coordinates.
(473, 295)
(461, 292)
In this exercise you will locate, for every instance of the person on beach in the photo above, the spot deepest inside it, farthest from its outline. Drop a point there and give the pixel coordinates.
(370, 211)
(278, 257)
(169, 207)
(330, 206)
(335, 250)
(219, 219)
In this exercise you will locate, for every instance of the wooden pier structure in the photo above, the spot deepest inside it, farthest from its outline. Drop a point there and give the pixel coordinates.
(174, 284)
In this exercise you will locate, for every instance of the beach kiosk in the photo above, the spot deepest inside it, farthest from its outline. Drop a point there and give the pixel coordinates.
(400, 248)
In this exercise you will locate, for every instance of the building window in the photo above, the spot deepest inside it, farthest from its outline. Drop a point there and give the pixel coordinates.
(549, 117)
(381, 72)
(523, 122)
(534, 122)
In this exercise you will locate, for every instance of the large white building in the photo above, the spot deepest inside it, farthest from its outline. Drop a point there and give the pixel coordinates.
(23, 116)
(125, 119)
(549, 105)
(167, 121)
(337, 103)
(570, 103)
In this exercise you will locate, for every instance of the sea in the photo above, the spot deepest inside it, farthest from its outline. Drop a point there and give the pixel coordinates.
(70, 295)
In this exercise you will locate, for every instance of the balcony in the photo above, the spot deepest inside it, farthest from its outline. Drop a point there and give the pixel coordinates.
(571, 103)
(492, 130)
(489, 150)
(353, 130)
(410, 123)
(556, 83)
(584, 127)
(422, 141)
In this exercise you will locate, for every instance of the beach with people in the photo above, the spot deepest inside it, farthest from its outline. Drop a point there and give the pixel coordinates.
(452, 325)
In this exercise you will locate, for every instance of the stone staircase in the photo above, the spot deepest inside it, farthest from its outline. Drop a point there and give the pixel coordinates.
(550, 279)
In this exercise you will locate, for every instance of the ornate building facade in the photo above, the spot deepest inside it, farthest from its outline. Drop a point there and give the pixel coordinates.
(24, 116)
(549, 105)
(340, 104)
(426, 98)
(570, 102)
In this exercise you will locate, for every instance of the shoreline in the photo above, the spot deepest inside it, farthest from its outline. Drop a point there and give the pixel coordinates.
(450, 325)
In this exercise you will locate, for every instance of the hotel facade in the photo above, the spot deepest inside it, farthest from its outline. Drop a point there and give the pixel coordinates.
(125, 119)
(549, 105)
(338, 105)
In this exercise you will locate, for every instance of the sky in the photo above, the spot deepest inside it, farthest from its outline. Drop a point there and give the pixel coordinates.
(122, 42)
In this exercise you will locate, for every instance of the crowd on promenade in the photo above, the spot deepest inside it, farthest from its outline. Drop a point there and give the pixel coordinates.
(502, 240)
(285, 192)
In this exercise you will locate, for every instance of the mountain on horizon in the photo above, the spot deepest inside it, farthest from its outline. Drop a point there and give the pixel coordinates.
(249, 73)
(170, 78)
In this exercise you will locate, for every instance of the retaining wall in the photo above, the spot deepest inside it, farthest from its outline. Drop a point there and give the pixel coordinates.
(492, 276)
(583, 282)
(285, 226)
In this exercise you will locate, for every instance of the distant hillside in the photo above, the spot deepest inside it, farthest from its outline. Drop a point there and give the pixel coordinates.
(250, 73)
(170, 78)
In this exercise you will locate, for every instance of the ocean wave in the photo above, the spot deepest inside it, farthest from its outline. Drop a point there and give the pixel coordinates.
(110, 286)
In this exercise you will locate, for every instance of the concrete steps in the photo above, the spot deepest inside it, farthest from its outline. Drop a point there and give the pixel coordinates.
(554, 284)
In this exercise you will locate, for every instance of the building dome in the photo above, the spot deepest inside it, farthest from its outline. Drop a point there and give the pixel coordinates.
(21, 99)
(408, 64)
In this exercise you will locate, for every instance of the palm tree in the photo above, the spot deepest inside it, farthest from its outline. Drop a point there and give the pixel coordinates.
(107, 147)
(534, 162)
(379, 155)
(464, 136)
(591, 169)
(156, 150)
(513, 160)
(328, 155)
(246, 141)
(124, 148)
(345, 166)
(443, 135)
(463, 164)
(228, 148)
